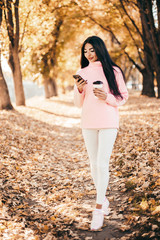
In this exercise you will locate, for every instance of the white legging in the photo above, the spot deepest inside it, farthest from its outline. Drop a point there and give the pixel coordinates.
(99, 144)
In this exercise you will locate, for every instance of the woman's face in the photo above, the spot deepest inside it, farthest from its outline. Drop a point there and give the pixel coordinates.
(89, 53)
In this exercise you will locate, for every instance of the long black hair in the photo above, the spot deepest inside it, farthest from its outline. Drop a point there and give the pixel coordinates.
(107, 63)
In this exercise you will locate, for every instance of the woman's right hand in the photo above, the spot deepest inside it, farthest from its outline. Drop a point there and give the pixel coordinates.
(80, 84)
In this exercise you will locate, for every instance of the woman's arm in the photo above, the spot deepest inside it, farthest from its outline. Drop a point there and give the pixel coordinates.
(111, 99)
(78, 97)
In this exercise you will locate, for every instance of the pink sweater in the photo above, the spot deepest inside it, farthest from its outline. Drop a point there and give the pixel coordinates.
(98, 113)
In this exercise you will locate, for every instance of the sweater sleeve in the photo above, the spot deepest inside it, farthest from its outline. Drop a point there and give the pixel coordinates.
(111, 99)
(78, 97)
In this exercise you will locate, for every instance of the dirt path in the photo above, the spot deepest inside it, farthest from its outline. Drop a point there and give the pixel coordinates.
(46, 187)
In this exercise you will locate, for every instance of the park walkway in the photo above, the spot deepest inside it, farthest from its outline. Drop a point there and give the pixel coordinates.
(46, 191)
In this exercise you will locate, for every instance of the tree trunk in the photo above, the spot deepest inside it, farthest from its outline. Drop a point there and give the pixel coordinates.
(152, 39)
(148, 83)
(50, 88)
(158, 82)
(5, 102)
(50, 60)
(46, 89)
(14, 63)
(11, 13)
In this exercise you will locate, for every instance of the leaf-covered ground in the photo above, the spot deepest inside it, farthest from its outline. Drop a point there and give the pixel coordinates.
(46, 191)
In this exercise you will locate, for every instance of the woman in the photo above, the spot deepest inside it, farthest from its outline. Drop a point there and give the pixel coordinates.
(99, 120)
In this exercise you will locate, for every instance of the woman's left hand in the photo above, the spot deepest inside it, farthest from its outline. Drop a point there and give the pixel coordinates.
(99, 93)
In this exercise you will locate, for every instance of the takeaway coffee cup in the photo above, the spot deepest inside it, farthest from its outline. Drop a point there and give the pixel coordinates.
(97, 84)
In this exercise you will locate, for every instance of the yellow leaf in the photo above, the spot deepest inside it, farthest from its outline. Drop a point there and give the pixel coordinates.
(157, 183)
(124, 228)
(118, 174)
(76, 160)
(130, 199)
(139, 149)
(2, 227)
(16, 187)
(144, 205)
(53, 218)
(36, 238)
(92, 192)
(152, 201)
(156, 211)
(45, 228)
(20, 206)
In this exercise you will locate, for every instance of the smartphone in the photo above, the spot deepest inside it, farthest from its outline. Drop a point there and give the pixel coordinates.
(77, 76)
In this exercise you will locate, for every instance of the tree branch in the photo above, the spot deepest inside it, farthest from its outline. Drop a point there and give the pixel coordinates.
(128, 73)
(152, 25)
(118, 42)
(133, 2)
(131, 35)
(108, 29)
(144, 19)
(16, 6)
(1, 6)
(9, 21)
(24, 28)
(131, 59)
(133, 22)
(158, 14)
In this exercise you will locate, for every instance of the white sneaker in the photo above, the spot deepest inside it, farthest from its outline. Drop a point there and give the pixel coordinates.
(105, 206)
(97, 219)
